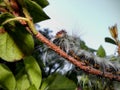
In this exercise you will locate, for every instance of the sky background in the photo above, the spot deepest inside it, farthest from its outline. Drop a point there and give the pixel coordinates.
(87, 19)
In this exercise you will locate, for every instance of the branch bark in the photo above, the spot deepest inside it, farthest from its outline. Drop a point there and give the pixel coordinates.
(15, 11)
(77, 63)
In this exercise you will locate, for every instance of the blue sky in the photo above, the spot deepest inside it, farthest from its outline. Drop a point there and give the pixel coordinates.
(88, 19)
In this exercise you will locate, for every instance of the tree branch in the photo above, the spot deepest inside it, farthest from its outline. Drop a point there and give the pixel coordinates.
(11, 6)
(77, 63)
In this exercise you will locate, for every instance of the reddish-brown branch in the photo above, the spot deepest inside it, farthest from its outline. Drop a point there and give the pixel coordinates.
(79, 64)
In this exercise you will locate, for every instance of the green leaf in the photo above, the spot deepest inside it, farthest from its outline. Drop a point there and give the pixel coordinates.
(15, 44)
(58, 82)
(42, 3)
(29, 77)
(101, 52)
(85, 47)
(110, 40)
(23, 82)
(16, 41)
(47, 82)
(33, 70)
(2, 4)
(32, 87)
(7, 80)
(35, 11)
(5, 16)
(1, 1)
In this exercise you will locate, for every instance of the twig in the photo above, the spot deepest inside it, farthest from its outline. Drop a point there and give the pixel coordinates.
(40, 37)
(15, 19)
(79, 64)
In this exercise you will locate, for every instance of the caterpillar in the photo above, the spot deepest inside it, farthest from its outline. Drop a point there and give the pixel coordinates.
(71, 45)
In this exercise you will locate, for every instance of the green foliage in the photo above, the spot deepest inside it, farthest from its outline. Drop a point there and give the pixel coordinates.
(58, 82)
(35, 11)
(85, 47)
(90, 82)
(4, 17)
(32, 87)
(101, 52)
(29, 76)
(23, 82)
(16, 41)
(110, 40)
(7, 79)
(42, 3)
(33, 71)
(15, 44)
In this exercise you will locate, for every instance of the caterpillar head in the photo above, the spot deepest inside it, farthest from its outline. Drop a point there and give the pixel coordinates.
(61, 34)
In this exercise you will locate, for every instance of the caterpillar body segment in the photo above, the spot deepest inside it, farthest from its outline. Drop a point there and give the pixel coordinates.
(71, 45)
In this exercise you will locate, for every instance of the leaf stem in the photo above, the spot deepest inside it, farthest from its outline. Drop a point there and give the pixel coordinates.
(15, 19)
(30, 22)
(8, 5)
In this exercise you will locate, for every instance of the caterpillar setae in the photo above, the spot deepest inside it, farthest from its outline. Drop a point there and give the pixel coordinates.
(71, 45)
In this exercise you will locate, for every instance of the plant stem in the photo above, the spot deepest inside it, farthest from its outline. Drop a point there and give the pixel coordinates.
(15, 19)
(30, 22)
(40, 37)
(77, 63)
(8, 5)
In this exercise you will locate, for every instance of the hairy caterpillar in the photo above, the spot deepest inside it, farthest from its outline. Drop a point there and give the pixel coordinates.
(71, 45)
